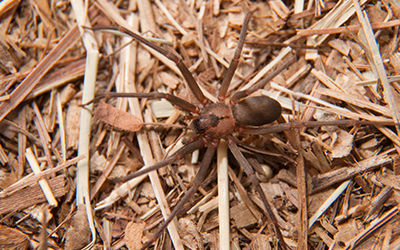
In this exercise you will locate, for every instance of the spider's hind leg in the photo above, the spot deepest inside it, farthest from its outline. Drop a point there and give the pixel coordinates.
(204, 167)
(250, 173)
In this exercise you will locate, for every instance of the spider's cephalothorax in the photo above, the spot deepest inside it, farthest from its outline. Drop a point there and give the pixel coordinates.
(216, 121)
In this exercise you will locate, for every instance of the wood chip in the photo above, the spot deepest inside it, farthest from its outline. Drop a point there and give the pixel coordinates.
(11, 238)
(242, 215)
(133, 235)
(30, 196)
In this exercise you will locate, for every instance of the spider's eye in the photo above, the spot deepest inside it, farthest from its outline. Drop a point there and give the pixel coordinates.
(256, 111)
(200, 125)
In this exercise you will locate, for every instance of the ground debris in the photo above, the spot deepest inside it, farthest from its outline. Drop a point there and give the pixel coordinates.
(343, 71)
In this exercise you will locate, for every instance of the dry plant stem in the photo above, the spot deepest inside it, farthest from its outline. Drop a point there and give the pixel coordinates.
(348, 98)
(110, 166)
(319, 182)
(92, 59)
(61, 125)
(41, 131)
(22, 131)
(378, 201)
(298, 6)
(30, 157)
(352, 28)
(223, 196)
(184, 32)
(327, 203)
(256, 79)
(31, 195)
(377, 223)
(21, 142)
(333, 19)
(301, 192)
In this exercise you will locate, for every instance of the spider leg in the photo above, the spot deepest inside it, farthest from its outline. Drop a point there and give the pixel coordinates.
(173, 158)
(153, 95)
(288, 126)
(244, 93)
(204, 166)
(171, 56)
(250, 173)
(235, 61)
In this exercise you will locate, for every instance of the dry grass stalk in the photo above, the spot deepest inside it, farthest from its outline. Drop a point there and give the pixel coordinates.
(44, 75)
(223, 194)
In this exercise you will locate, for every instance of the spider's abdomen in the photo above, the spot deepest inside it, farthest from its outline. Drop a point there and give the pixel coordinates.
(256, 111)
(217, 121)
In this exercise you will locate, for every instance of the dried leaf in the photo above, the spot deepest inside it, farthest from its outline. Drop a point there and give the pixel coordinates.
(343, 145)
(118, 118)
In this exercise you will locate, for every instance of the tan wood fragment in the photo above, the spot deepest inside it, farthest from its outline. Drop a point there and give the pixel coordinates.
(242, 215)
(324, 236)
(33, 195)
(322, 181)
(12, 238)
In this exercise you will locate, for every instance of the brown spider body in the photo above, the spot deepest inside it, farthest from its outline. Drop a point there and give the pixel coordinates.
(219, 120)
(256, 111)
(216, 121)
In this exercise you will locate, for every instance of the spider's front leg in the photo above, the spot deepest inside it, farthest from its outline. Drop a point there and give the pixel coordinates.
(152, 95)
(194, 87)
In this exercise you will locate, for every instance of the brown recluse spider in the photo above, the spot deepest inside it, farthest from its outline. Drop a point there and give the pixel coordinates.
(213, 122)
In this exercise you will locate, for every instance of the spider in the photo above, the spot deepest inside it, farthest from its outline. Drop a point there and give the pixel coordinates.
(216, 121)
